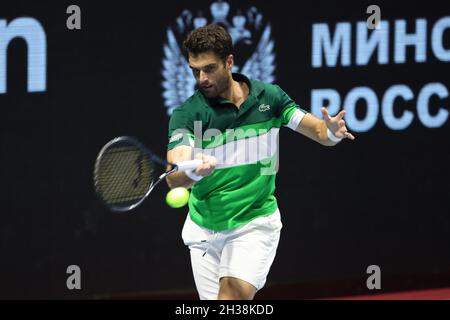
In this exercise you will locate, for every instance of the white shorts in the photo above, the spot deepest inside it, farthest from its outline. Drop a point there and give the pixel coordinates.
(246, 253)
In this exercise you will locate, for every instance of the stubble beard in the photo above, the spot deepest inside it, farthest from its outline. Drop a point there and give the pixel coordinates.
(218, 89)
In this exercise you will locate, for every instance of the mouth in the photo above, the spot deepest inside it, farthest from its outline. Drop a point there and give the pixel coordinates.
(207, 87)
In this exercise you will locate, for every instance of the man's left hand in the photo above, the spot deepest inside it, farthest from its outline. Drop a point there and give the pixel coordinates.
(336, 124)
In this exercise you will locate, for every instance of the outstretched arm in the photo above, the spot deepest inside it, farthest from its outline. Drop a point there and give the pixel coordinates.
(328, 131)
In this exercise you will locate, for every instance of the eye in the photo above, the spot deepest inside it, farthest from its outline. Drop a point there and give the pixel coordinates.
(195, 72)
(209, 69)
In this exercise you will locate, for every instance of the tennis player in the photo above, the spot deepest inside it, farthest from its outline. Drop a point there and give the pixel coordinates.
(233, 225)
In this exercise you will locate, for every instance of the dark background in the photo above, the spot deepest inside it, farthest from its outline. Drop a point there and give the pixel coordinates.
(382, 199)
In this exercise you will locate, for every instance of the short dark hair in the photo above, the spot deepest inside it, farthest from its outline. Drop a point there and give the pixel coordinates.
(211, 37)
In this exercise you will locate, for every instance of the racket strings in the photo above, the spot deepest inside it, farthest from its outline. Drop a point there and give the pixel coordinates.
(123, 175)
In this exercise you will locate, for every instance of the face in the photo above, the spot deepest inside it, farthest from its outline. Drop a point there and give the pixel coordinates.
(213, 75)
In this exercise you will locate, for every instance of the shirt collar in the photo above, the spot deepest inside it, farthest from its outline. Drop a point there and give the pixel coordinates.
(254, 90)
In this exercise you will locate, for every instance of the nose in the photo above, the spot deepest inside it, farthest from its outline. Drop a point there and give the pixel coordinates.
(203, 77)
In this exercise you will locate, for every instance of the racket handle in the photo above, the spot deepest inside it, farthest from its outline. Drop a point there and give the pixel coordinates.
(188, 165)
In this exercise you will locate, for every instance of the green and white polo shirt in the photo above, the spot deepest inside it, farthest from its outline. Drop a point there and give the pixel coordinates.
(245, 143)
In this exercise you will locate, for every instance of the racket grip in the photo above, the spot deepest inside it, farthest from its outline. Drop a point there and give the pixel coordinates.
(188, 165)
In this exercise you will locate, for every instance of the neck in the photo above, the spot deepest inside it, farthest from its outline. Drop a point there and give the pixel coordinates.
(235, 92)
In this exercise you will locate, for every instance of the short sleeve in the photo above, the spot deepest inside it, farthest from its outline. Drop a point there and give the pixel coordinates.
(291, 114)
(180, 129)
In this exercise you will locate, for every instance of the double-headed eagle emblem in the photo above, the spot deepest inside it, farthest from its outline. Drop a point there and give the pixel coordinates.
(178, 82)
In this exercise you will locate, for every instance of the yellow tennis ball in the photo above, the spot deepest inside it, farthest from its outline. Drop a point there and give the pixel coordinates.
(177, 197)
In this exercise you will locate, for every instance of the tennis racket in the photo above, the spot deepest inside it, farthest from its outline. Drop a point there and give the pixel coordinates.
(125, 171)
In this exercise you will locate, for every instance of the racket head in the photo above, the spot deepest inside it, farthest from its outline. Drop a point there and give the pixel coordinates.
(123, 174)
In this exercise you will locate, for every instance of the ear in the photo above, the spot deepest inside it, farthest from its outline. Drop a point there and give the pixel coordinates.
(229, 62)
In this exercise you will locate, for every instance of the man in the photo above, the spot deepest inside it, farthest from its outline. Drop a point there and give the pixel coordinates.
(233, 226)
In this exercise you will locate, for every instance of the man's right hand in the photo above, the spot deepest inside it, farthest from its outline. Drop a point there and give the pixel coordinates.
(184, 153)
